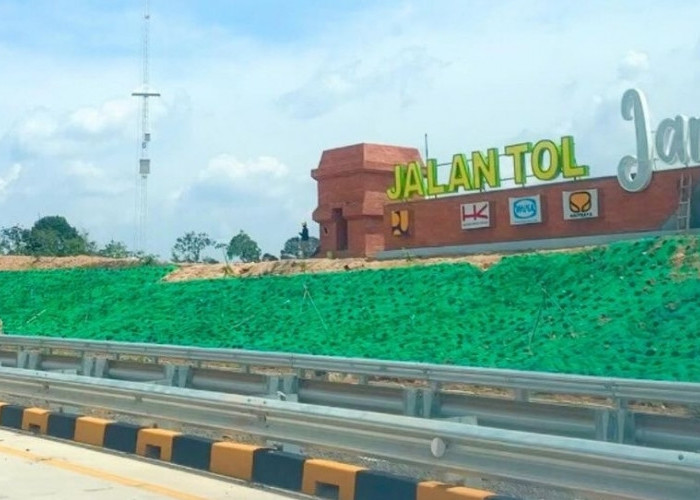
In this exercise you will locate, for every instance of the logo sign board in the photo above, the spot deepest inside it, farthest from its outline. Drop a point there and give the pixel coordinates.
(525, 210)
(581, 204)
(399, 222)
(475, 215)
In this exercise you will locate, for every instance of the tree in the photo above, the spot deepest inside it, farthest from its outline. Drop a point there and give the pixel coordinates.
(268, 257)
(243, 247)
(188, 248)
(91, 247)
(294, 248)
(115, 250)
(55, 237)
(14, 240)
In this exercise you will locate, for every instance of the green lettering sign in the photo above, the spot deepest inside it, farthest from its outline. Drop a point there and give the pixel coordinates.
(547, 161)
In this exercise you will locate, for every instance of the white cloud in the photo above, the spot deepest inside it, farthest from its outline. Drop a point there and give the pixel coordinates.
(633, 65)
(90, 180)
(43, 132)
(11, 176)
(228, 181)
(111, 117)
(81, 169)
(226, 167)
(338, 83)
(261, 196)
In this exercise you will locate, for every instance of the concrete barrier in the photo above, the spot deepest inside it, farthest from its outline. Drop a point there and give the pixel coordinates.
(433, 490)
(11, 416)
(35, 420)
(233, 459)
(156, 443)
(121, 436)
(91, 430)
(192, 451)
(279, 469)
(236, 460)
(323, 473)
(62, 425)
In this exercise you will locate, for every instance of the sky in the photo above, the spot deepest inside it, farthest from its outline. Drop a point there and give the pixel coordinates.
(253, 91)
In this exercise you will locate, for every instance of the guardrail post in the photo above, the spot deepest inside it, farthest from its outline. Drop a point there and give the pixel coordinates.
(626, 427)
(603, 430)
(100, 368)
(289, 385)
(184, 376)
(34, 361)
(22, 358)
(283, 387)
(170, 372)
(410, 399)
(615, 426)
(272, 383)
(429, 401)
(87, 366)
(362, 379)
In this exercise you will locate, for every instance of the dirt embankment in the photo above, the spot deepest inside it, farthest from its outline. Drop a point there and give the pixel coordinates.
(26, 263)
(186, 272)
(285, 267)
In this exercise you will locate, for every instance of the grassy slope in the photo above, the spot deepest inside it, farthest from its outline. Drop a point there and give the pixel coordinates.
(631, 309)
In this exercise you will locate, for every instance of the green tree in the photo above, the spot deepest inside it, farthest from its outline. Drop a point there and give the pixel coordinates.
(91, 247)
(294, 248)
(115, 250)
(14, 240)
(188, 248)
(243, 247)
(55, 237)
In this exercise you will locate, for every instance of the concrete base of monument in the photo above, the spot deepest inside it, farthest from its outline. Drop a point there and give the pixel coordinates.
(521, 246)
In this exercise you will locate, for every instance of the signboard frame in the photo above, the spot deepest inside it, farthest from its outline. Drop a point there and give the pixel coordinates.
(481, 213)
(568, 209)
(515, 202)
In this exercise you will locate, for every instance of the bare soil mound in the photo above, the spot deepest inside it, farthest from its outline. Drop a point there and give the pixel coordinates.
(25, 263)
(185, 272)
(285, 267)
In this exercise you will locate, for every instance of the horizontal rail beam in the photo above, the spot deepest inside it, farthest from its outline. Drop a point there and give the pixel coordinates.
(576, 464)
(607, 387)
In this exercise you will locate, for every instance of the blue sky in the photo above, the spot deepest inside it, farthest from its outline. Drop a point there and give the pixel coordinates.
(254, 91)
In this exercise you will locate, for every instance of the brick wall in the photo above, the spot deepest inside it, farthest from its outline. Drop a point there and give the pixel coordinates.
(437, 222)
(354, 180)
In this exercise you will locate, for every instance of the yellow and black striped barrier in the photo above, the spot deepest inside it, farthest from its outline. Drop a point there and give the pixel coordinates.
(246, 462)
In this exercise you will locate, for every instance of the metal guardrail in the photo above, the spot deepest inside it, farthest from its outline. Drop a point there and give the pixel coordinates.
(617, 389)
(173, 365)
(581, 465)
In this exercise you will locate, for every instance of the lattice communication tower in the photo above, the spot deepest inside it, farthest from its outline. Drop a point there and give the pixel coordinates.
(144, 135)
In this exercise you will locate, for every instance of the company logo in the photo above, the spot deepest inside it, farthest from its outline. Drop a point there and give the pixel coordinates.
(580, 201)
(525, 210)
(399, 222)
(580, 204)
(475, 215)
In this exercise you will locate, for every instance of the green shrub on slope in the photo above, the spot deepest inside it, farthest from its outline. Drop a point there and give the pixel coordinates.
(630, 309)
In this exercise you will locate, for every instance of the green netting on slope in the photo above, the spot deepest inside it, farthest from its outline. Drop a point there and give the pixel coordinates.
(631, 309)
